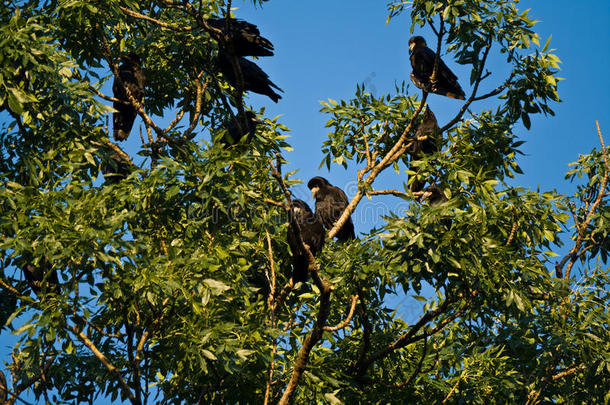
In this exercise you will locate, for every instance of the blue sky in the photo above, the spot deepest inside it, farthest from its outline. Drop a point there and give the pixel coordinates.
(323, 48)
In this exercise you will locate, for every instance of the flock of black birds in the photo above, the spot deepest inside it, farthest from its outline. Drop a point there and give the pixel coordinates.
(244, 40)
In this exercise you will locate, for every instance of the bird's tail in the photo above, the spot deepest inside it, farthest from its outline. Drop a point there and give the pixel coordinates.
(300, 268)
(123, 122)
(273, 95)
(455, 96)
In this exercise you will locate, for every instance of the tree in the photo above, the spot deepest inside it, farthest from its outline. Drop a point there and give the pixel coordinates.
(173, 278)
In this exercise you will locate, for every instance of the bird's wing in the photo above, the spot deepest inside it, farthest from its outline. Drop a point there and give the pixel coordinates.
(341, 196)
(444, 71)
(252, 70)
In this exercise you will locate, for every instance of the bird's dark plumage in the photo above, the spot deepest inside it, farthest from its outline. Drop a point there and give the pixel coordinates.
(233, 135)
(255, 79)
(41, 277)
(312, 232)
(244, 36)
(434, 195)
(115, 169)
(422, 62)
(331, 201)
(429, 128)
(132, 76)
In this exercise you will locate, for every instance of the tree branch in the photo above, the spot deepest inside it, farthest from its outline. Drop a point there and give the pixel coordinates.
(325, 290)
(576, 252)
(308, 344)
(415, 372)
(472, 97)
(408, 337)
(388, 159)
(347, 320)
(105, 361)
(161, 24)
(497, 90)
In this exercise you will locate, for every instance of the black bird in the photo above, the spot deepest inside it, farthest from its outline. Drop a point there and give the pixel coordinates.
(244, 36)
(331, 201)
(115, 168)
(233, 135)
(422, 62)
(428, 127)
(132, 76)
(312, 232)
(434, 195)
(41, 277)
(255, 79)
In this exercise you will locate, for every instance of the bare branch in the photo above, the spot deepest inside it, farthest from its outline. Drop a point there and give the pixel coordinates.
(511, 236)
(437, 59)
(498, 89)
(115, 148)
(10, 288)
(198, 103)
(396, 193)
(271, 278)
(532, 397)
(325, 290)
(161, 24)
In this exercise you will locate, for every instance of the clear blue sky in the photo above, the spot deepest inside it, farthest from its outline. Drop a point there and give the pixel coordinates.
(323, 48)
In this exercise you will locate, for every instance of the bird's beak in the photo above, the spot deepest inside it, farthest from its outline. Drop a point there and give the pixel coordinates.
(411, 47)
(314, 191)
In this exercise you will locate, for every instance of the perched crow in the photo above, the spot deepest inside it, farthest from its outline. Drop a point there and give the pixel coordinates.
(434, 195)
(429, 128)
(233, 135)
(312, 232)
(244, 36)
(331, 201)
(115, 168)
(422, 62)
(41, 277)
(132, 76)
(255, 79)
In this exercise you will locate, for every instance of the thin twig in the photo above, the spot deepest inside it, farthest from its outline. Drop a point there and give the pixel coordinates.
(498, 89)
(271, 278)
(161, 24)
(462, 375)
(347, 320)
